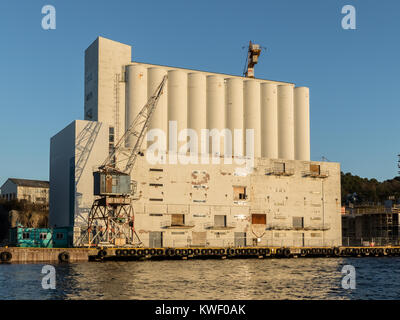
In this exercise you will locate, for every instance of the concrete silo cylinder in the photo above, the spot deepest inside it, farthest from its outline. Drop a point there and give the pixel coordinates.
(269, 121)
(252, 112)
(159, 119)
(302, 123)
(216, 107)
(136, 96)
(197, 104)
(234, 110)
(177, 102)
(285, 122)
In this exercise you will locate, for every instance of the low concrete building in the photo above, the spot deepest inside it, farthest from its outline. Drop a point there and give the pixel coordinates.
(33, 191)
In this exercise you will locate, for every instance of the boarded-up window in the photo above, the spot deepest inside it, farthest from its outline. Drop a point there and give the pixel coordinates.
(177, 219)
(199, 238)
(239, 193)
(279, 167)
(298, 222)
(258, 218)
(315, 168)
(220, 220)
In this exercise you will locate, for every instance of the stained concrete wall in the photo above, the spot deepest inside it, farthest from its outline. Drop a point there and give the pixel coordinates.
(68, 195)
(105, 82)
(201, 191)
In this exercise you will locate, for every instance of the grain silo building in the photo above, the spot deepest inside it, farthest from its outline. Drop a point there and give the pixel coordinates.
(285, 199)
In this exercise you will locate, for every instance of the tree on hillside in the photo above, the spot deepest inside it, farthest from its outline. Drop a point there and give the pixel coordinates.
(359, 190)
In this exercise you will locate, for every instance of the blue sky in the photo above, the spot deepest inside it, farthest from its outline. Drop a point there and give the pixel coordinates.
(352, 74)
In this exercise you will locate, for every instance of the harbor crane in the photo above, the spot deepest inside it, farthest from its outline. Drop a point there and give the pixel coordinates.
(111, 218)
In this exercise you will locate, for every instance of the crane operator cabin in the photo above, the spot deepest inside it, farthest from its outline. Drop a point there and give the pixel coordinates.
(226, 161)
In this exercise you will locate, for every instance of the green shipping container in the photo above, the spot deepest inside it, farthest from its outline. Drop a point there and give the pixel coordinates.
(39, 237)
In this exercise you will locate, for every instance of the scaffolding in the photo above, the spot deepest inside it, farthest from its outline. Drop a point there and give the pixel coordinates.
(371, 226)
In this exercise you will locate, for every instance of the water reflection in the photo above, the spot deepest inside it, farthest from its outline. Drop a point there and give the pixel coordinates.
(377, 278)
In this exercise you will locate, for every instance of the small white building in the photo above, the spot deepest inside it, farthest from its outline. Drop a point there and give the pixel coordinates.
(33, 191)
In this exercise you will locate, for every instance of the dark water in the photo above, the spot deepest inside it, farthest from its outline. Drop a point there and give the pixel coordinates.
(376, 278)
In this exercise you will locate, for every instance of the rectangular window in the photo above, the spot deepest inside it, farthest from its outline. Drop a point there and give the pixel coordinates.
(156, 199)
(156, 185)
(298, 222)
(26, 235)
(111, 134)
(155, 214)
(177, 219)
(315, 235)
(219, 220)
(115, 181)
(239, 193)
(156, 169)
(59, 236)
(43, 236)
(259, 219)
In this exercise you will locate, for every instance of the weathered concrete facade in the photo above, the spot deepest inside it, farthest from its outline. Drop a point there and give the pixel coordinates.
(283, 200)
(275, 208)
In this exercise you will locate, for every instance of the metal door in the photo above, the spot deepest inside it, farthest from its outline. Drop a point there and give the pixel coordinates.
(240, 239)
(199, 239)
(155, 239)
(298, 239)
